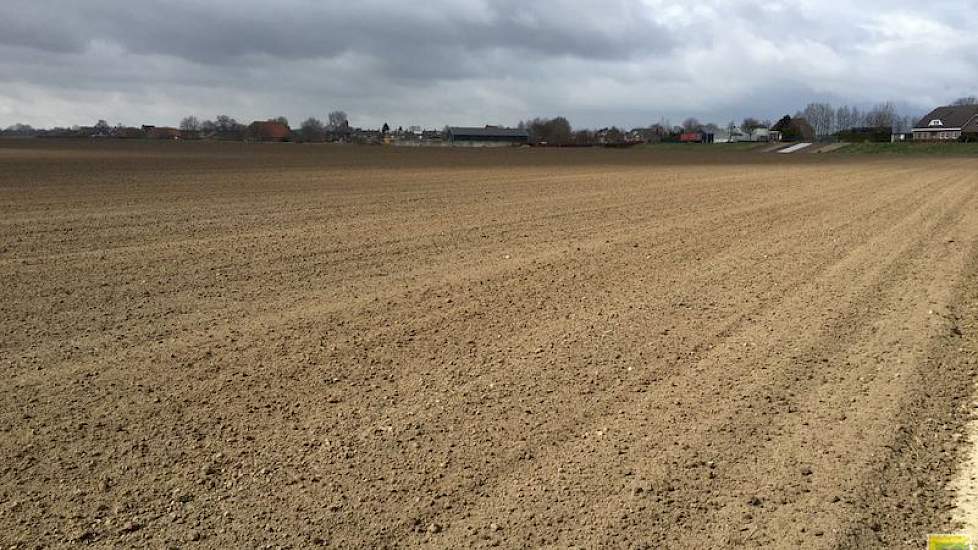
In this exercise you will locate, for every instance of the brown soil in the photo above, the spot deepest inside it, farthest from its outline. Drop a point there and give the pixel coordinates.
(224, 345)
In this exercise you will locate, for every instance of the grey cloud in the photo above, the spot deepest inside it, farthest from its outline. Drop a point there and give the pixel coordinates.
(217, 32)
(473, 61)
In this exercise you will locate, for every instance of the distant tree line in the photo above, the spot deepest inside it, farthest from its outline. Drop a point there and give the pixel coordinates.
(825, 120)
(548, 131)
(313, 129)
(558, 132)
(223, 127)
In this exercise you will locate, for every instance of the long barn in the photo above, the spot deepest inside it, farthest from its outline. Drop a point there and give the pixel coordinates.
(490, 136)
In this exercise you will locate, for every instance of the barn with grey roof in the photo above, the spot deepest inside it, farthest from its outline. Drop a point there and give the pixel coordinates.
(490, 136)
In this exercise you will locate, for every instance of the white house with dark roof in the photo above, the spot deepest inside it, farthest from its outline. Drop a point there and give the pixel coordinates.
(947, 123)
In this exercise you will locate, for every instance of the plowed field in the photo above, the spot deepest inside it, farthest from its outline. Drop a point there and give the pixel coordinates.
(240, 346)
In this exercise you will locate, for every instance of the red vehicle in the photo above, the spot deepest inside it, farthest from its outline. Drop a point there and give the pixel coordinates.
(696, 137)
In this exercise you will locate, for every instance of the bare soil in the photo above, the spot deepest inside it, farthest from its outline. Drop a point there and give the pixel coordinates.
(240, 346)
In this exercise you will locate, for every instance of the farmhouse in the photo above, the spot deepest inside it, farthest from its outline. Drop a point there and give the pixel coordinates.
(730, 135)
(759, 135)
(947, 123)
(490, 136)
(794, 129)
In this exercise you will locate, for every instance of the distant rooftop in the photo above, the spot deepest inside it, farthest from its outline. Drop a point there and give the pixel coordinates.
(950, 116)
(489, 131)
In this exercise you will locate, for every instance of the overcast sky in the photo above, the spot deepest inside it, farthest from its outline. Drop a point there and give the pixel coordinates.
(472, 62)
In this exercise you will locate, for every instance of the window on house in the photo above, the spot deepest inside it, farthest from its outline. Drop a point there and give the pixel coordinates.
(936, 122)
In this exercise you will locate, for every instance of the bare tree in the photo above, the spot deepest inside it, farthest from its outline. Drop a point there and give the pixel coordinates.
(190, 124)
(843, 118)
(691, 124)
(224, 123)
(337, 120)
(882, 115)
(848, 118)
(903, 124)
(312, 129)
(553, 131)
(970, 100)
(281, 120)
(19, 130)
(822, 118)
(560, 131)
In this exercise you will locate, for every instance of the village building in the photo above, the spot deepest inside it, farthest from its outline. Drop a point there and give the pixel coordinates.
(761, 135)
(793, 129)
(128, 132)
(947, 123)
(366, 137)
(161, 132)
(730, 135)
